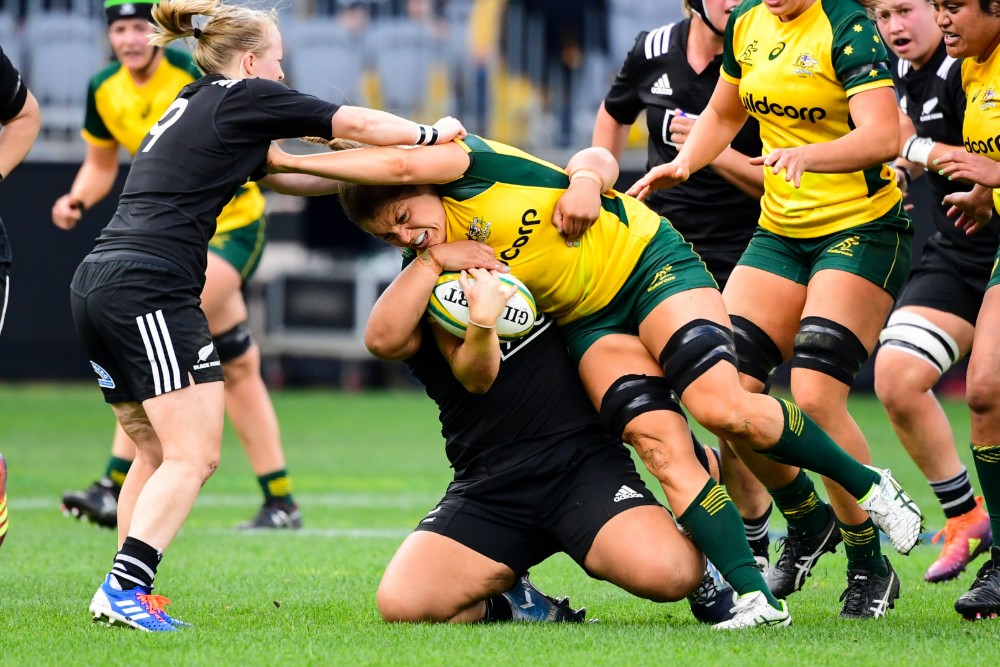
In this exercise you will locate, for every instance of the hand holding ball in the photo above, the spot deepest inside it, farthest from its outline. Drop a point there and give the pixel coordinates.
(449, 308)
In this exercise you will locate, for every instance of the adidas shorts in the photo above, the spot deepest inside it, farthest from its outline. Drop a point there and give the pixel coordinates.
(143, 328)
(557, 500)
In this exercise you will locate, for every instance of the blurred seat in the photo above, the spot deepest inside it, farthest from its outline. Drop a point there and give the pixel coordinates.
(10, 40)
(411, 64)
(326, 59)
(63, 51)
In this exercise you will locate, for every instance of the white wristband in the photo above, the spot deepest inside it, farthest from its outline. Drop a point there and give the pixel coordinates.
(428, 135)
(918, 149)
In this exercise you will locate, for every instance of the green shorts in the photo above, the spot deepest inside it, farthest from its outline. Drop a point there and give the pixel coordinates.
(242, 247)
(668, 266)
(994, 275)
(878, 251)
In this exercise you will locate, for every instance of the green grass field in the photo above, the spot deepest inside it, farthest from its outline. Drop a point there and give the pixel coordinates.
(366, 468)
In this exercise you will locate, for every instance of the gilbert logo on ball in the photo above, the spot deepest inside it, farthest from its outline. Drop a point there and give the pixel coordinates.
(449, 308)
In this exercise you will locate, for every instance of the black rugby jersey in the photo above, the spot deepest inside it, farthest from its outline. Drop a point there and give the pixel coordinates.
(13, 94)
(537, 399)
(934, 100)
(209, 142)
(709, 211)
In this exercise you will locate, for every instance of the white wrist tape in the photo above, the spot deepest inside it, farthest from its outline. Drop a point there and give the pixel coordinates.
(918, 149)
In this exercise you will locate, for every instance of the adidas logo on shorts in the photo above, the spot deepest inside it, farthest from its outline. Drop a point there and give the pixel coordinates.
(626, 493)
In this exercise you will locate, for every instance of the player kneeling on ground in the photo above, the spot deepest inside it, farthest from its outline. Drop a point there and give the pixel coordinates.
(534, 472)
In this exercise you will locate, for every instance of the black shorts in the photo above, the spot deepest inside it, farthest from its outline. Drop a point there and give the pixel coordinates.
(4, 273)
(143, 328)
(554, 501)
(4, 291)
(942, 282)
(720, 263)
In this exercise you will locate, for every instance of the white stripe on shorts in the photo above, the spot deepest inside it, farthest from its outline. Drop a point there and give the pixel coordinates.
(6, 299)
(156, 338)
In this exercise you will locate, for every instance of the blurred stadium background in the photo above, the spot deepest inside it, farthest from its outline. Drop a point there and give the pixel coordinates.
(527, 72)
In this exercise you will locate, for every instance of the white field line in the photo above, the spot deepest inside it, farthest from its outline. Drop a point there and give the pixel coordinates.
(386, 500)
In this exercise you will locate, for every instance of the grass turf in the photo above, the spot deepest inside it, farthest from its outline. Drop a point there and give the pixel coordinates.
(366, 468)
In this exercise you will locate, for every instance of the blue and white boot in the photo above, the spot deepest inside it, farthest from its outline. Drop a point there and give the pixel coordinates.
(527, 603)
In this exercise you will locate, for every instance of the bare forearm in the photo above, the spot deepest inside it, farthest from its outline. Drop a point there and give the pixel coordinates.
(18, 135)
(861, 148)
(393, 329)
(735, 167)
(302, 185)
(93, 183)
(610, 134)
(476, 362)
(710, 136)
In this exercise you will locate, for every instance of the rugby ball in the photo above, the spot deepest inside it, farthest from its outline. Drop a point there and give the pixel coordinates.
(449, 308)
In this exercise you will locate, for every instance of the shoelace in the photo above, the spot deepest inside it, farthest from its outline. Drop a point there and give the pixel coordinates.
(154, 604)
(856, 595)
(989, 570)
(951, 529)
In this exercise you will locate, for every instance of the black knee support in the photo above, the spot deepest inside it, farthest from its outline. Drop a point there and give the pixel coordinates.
(827, 347)
(756, 353)
(233, 343)
(693, 349)
(632, 395)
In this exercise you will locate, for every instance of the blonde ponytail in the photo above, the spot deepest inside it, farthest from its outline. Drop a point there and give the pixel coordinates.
(228, 32)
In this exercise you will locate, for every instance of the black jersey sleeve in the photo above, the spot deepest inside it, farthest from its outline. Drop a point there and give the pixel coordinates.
(13, 92)
(622, 101)
(955, 102)
(271, 110)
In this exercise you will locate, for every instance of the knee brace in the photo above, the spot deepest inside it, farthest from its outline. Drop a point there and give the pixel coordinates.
(632, 395)
(916, 335)
(233, 343)
(693, 349)
(825, 346)
(756, 353)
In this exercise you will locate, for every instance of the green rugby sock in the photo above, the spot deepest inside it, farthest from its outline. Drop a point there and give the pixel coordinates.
(801, 506)
(804, 444)
(117, 470)
(716, 527)
(277, 487)
(862, 548)
(987, 461)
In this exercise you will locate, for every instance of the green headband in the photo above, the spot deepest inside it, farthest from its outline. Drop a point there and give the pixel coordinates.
(128, 9)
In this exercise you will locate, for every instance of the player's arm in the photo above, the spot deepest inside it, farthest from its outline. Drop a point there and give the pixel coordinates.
(379, 128)
(302, 185)
(93, 182)
(711, 134)
(18, 134)
(873, 141)
(475, 360)
(440, 163)
(609, 133)
(393, 329)
(917, 150)
(592, 172)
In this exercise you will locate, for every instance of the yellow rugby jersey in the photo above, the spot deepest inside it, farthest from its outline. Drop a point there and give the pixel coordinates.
(119, 112)
(506, 198)
(981, 128)
(795, 78)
